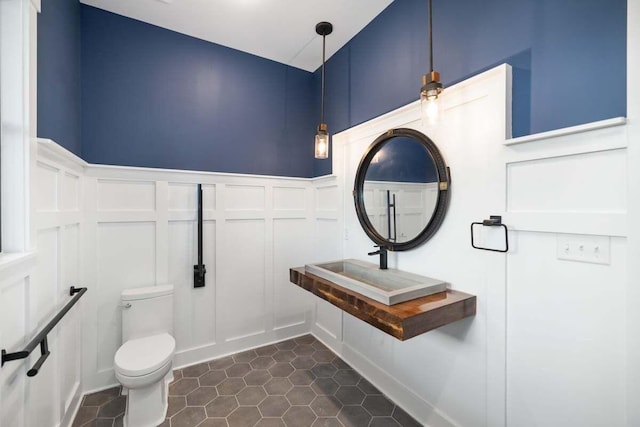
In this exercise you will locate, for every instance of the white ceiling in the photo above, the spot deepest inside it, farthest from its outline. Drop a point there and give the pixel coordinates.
(281, 30)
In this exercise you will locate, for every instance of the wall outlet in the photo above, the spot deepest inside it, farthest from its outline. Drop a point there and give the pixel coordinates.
(584, 248)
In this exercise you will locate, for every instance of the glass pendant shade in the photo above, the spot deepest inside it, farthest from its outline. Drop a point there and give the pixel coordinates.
(430, 105)
(430, 102)
(322, 142)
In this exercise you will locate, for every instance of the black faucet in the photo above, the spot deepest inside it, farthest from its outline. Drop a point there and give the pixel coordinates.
(383, 256)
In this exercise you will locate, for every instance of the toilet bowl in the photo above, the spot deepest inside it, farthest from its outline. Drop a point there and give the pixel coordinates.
(143, 364)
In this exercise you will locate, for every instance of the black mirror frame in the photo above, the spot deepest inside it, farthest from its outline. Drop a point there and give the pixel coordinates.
(444, 190)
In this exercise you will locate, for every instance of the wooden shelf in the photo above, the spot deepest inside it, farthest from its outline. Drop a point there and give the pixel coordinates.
(404, 320)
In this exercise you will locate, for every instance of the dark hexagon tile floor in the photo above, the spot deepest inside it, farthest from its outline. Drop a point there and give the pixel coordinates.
(294, 383)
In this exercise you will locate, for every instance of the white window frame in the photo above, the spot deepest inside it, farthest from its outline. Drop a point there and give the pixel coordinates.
(18, 38)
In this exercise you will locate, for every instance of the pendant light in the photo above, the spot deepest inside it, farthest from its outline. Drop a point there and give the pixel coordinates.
(322, 137)
(431, 108)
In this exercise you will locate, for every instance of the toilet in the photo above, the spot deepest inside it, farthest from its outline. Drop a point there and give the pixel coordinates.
(143, 363)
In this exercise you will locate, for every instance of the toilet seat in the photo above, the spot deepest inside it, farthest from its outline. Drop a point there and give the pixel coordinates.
(142, 356)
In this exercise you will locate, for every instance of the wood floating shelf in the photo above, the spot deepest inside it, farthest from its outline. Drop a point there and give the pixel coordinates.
(402, 321)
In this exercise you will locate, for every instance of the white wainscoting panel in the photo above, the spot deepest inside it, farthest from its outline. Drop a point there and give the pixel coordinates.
(292, 305)
(45, 187)
(589, 182)
(195, 316)
(126, 259)
(14, 299)
(244, 198)
(141, 230)
(14, 305)
(69, 192)
(34, 287)
(242, 283)
(290, 199)
(114, 195)
(328, 246)
(183, 197)
(566, 336)
(46, 277)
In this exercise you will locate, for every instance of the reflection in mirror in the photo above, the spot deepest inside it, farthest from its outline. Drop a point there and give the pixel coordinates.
(400, 189)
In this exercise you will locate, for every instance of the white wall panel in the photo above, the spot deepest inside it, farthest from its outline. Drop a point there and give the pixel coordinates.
(12, 404)
(244, 197)
(70, 258)
(13, 301)
(45, 187)
(327, 246)
(126, 259)
(591, 182)
(565, 336)
(291, 248)
(126, 195)
(184, 197)
(195, 323)
(35, 287)
(44, 290)
(70, 327)
(328, 320)
(327, 198)
(241, 301)
(69, 358)
(69, 192)
(13, 330)
(289, 198)
(43, 394)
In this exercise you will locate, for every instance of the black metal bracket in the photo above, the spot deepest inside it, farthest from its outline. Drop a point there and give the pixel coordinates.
(199, 270)
(41, 338)
(493, 221)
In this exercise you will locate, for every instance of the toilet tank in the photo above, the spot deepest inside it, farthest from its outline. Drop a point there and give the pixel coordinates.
(147, 311)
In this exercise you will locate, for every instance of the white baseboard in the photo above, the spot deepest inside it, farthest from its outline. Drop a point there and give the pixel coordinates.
(72, 410)
(217, 351)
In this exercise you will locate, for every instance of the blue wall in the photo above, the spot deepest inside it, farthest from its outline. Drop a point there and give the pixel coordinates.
(152, 97)
(59, 88)
(568, 58)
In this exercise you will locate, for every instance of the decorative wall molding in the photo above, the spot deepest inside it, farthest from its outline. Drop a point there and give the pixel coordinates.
(48, 149)
(587, 127)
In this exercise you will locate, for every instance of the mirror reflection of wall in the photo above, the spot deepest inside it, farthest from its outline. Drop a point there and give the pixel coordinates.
(401, 189)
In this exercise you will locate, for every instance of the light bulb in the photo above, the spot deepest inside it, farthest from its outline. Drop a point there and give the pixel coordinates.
(322, 145)
(431, 110)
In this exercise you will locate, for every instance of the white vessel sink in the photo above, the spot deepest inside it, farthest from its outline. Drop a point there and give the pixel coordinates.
(386, 286)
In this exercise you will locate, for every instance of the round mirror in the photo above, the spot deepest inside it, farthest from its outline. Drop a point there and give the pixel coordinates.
(401, 190)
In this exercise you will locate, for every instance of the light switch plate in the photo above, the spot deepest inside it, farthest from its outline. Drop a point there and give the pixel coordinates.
(584, 248)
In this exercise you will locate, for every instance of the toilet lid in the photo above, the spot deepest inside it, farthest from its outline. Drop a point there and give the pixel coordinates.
(144, 355)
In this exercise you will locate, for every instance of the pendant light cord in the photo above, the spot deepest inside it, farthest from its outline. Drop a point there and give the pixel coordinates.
(324, 38)
(430, 35)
